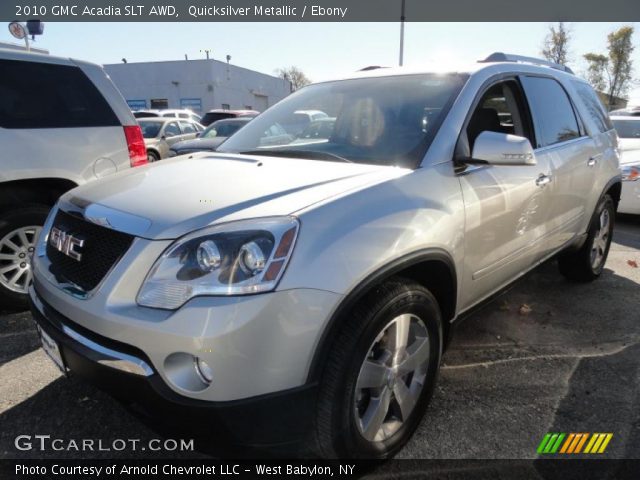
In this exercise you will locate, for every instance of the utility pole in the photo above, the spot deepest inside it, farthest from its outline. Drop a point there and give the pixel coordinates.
(402, 34)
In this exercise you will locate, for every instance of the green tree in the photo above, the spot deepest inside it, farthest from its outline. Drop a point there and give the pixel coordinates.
(555, 47)
(612, 73)
(297, 78)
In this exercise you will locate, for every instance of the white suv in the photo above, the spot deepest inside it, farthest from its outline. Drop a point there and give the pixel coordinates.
(62, 123)
(302, 294)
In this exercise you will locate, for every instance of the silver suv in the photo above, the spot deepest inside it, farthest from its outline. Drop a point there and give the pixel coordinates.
(62, 124)
(302, 294)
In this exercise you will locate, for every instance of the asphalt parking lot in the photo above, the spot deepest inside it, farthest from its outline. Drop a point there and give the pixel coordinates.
(547, 356)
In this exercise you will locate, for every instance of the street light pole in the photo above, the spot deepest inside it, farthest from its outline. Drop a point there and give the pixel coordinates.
(402, 34)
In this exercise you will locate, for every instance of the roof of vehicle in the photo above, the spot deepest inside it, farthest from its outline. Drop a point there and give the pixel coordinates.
(165, 119)
(625, 118)
(495, 61)
(233, 112)
(10, 54)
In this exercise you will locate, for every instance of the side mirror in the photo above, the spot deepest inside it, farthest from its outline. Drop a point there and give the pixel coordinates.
(503, 149)
(198, 134)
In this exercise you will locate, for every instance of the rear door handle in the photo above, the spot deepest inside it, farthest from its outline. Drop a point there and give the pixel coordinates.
(543, 180)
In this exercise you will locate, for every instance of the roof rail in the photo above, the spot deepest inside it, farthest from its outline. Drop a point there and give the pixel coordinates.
(371, 67)
(507, 57)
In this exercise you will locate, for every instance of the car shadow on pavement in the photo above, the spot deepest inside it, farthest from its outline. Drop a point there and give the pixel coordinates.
(546, 356)
(18, 334)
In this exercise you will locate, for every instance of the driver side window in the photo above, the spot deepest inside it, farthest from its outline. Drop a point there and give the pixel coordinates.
(502, 110)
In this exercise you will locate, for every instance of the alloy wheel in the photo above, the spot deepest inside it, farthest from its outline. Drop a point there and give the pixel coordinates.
(392, 377)
(16, 251)
(601, 240)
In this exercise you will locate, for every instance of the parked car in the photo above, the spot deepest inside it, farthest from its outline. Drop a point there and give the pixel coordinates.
(626, 112)
(301, 119)
(219, 114)
(211, 137)
(172, 113)
(161, 133)
(62, 124)
(628, 128)
(146, 113)
(310, 290)
(317, 131)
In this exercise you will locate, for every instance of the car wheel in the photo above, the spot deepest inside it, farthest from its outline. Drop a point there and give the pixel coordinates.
(19, 230)
(152, 156)
(380, 373)
(587, 263)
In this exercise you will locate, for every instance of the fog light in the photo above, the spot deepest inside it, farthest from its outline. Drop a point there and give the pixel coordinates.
(204, 370)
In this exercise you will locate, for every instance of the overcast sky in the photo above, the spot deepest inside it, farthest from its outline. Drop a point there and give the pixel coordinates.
(321, 50)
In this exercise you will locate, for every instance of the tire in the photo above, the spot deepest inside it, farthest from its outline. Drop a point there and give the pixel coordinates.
(586, 264)
(19, 227)
(152, 156)
(344, 425)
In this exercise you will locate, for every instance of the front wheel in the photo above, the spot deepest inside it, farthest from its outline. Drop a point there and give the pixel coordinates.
(19, 230)
(380, 373)
(587, 263)
(152, 156)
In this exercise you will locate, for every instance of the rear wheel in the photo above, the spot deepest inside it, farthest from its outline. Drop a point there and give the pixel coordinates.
(19, 230)
(152, 156)
(587, 263)
(380, 373)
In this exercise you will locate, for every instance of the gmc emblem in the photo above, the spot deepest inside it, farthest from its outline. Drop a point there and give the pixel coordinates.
(66, 243)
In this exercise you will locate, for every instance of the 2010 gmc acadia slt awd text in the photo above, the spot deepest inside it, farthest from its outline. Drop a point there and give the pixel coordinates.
(302, 293)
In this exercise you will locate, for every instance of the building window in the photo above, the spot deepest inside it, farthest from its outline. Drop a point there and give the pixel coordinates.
(193, 104)
(248, 107)
(226, 106)
(159, 103)
(137, 104)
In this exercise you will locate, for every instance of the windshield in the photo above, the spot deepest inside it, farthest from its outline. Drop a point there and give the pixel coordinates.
(150, 129)
(381, 120)
(627, 128)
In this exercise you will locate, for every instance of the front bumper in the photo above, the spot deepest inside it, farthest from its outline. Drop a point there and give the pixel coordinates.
(630, 198)
(275, 419)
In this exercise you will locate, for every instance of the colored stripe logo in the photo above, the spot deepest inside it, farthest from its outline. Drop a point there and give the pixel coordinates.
(572, 443)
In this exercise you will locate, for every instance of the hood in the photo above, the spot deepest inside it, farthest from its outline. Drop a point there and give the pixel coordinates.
(629, 147)
(198, 144)
(180, 195)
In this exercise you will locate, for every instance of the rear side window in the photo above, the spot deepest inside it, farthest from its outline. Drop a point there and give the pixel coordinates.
(188, 127)
(42, 95)
(552, 111)
(594, 106)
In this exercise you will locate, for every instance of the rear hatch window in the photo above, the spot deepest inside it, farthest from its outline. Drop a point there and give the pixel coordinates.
(42, 95)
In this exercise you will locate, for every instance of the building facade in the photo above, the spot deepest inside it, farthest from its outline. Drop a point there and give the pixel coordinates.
(199, 85)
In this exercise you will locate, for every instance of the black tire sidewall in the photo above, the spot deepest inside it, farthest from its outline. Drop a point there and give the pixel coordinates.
(32, 215)
(605, 203)
(423, 305)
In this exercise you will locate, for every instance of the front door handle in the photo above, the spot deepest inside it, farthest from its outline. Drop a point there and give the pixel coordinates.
(543, 180)
(593, 160)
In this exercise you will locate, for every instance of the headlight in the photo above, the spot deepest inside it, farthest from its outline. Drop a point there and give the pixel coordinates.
(630, 173)
(235, 258)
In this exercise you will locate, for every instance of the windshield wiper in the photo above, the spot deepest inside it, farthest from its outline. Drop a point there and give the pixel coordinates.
(309, 154)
